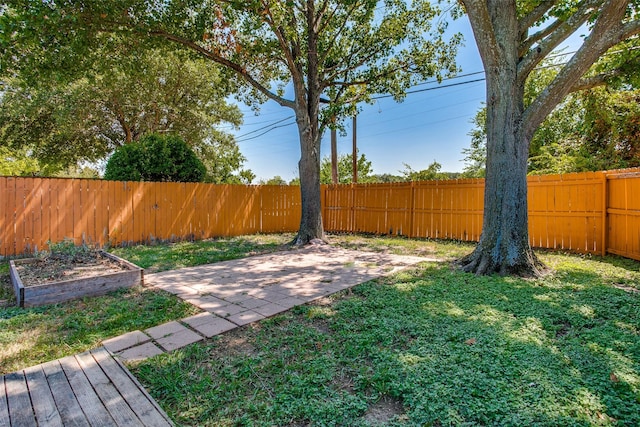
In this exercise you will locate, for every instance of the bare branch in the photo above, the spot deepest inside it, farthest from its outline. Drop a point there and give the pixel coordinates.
(630, 29)
(594, 81)
(536, 14)
(526, 44)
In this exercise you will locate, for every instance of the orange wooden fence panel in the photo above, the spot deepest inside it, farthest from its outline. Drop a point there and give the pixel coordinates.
(567, 211)
(38, 210)
(623, 210)
(593, 212)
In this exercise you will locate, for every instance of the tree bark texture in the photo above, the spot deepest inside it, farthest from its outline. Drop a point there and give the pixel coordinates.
(311, 226)
(504, 244)
(509, 54)
(307, 118)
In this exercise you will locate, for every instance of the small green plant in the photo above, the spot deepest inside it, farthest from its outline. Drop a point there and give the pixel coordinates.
(66, 250)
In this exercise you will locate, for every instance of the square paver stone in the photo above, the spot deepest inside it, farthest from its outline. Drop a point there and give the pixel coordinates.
(173, 335)
(165, 330)
(245, 317)
(179, 340)
(130, 339)
(140, 352)
(207, 302)
(252, 303)
(270, 309)
(209, 325)
(227, 310)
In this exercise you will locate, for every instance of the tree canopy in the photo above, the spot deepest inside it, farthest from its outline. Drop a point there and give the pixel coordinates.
(345, 169)
(71, 118)
(300, 54)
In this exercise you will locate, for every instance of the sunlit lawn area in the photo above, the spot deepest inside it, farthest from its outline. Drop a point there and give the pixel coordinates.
(429, 346)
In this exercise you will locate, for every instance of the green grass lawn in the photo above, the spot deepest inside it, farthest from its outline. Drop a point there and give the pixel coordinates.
(430, 346)
(433, 347)
(36, 335)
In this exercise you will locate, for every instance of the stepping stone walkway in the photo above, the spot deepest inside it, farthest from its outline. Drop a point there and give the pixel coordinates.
(238, 292)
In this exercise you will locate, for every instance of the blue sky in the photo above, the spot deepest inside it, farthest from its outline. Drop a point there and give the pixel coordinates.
(429, 125)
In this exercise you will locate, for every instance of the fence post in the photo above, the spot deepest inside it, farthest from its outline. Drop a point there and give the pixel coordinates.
(353, 208)
(605, 208)
(412, 208)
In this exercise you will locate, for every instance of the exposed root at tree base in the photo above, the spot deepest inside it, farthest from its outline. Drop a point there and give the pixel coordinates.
(483, 264)
(300, 241)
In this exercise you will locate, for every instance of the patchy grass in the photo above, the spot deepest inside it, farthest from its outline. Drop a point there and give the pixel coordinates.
(443, 249)
(29, 336)
(170, 256)
(428, 347)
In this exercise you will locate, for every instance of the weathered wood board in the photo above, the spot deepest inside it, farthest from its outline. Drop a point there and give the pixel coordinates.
(56, 292)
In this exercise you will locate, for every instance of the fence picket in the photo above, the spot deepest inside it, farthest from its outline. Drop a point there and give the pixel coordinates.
(593, 212)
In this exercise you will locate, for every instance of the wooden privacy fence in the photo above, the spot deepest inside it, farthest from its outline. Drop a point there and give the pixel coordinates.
(591, 212)
(37, 210)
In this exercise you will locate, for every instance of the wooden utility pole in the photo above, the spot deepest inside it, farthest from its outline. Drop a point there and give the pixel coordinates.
(355, 151)
(334, 157)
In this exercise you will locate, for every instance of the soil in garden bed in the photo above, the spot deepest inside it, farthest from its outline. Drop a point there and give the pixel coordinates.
(59, 267)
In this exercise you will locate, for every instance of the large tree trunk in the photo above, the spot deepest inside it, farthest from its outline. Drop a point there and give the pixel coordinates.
(504, 244)
(309, 165)
(307, 111)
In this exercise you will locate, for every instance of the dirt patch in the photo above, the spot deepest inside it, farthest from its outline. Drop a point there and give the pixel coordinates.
(626, 288)
(383, 411)
(60, 267)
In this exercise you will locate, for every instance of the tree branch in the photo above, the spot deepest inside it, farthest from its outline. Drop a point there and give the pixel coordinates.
(594, 81)
(607, 32)
(526, 44)
(534, 16)
(531, 59)
(237, 68)
(483, 32)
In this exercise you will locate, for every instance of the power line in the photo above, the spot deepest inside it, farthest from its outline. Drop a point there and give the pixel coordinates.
(265, 127)
(433, 88)
(266, 131)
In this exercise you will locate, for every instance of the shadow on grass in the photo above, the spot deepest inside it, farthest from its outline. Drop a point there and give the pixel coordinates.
(453, 348)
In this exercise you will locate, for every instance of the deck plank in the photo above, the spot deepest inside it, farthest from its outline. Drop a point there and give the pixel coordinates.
(92, 406)
(66, 401)
(18, 401)
(42, 400)
(131, 390)
(4, 408)
(107, 392)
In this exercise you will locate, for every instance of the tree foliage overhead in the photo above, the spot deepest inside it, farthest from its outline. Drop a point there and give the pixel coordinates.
(157, 158)
(330, 52)
(590, 130)
(514, 38)
(70, 117)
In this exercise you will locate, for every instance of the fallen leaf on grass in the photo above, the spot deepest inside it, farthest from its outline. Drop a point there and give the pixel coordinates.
(470, 341)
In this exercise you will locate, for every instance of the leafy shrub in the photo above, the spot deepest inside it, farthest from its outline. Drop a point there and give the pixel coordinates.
(155, 158)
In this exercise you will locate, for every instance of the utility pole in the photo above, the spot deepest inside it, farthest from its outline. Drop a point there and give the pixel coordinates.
(334, 157)
(355, 150)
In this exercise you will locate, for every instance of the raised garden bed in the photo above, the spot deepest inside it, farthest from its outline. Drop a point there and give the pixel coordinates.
(112, 274)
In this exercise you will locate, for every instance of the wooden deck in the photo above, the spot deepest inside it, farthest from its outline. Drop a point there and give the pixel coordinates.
(88, 389)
